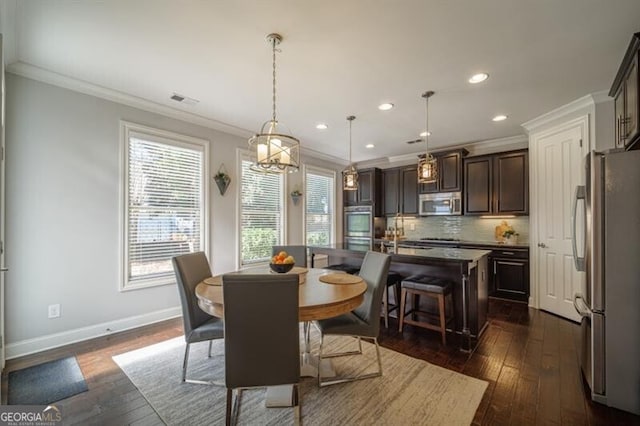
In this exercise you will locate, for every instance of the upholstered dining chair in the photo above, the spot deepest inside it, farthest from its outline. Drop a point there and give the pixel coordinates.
(265, 354)
(199, 326)
(299, 253)
(364, 321)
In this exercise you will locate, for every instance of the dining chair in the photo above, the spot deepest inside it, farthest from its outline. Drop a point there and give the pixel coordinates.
(299, 253)
(190, 270)
(264, 354)
(364, 321)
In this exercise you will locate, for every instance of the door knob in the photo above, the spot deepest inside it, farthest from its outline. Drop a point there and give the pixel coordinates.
(542, 245)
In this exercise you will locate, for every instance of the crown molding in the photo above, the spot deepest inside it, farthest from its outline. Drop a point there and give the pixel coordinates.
(39, 74)
(474, 148)
(601, 96)
(581, 103)
(55, 79)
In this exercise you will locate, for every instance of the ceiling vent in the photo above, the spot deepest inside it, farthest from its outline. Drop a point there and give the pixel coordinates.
(411, 142)
(184, 99)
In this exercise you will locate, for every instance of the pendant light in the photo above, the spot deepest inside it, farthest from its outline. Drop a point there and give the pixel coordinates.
(427, 166)
(276, 151)
(350, 175)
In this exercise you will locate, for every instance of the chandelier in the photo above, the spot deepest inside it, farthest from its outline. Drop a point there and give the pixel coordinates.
(427, 166)
(275, 150)
(350, 175)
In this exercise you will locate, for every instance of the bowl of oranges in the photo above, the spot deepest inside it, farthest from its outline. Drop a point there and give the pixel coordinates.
(282, 262)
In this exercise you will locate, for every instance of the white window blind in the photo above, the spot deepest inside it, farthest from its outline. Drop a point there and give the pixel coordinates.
(320, 207)
(164, 206)
(262, 214)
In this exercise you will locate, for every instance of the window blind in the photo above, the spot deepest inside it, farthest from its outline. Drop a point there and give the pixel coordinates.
(319, 214)
(165, 206)
(261, 219)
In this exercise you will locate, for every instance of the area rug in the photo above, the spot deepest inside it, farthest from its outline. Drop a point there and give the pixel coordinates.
(46, 383)
(410, 392)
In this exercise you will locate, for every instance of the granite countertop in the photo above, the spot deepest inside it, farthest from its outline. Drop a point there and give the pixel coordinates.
(445, 243)
(470, 255)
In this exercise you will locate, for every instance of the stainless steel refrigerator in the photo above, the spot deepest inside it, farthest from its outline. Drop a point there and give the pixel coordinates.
(609, 302)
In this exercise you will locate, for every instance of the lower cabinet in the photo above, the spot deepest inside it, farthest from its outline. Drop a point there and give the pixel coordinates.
(510, 273)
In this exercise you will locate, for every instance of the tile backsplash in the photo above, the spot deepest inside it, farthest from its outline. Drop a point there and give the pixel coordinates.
(467, 228)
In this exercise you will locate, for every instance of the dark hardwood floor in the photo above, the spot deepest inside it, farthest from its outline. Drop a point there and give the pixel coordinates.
(529, 358)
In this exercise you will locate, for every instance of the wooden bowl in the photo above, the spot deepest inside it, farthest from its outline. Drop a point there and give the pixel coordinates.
(281, 268)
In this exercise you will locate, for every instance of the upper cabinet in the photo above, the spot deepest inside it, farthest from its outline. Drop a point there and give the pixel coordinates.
(625, 91)
(497, 184)
(449, 173)
(369, 192)
(400, 191)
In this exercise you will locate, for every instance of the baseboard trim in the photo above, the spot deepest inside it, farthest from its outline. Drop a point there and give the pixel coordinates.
(43, 343)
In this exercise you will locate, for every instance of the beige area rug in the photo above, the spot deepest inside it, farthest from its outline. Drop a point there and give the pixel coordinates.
(410, 392)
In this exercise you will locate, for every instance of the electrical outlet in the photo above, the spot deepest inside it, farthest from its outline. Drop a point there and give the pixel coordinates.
(54, 311)
(412, 226)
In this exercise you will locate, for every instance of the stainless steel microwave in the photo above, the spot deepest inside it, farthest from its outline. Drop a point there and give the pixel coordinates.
(440, 204)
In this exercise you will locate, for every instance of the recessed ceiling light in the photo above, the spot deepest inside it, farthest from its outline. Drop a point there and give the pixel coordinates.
(423, 134)
(321, 126)
(478, 78)
(369, 145)
(385, 106)
(500, 117)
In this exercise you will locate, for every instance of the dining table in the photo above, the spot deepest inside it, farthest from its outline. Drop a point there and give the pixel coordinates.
(323, 293)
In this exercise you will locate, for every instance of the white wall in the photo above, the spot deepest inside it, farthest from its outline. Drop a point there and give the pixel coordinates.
(63, 207)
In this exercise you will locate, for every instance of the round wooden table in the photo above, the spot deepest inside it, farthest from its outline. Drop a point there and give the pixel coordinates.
(317, 300)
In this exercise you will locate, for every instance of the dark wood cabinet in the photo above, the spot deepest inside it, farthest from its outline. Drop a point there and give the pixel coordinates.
(391, 193)
(409, 191)
(449, 173)
(400, 191)
(510, 274)
(627, 98)
(369, 192)
(497, 184)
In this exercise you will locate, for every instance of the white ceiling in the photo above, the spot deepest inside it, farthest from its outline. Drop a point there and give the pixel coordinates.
(338, 58)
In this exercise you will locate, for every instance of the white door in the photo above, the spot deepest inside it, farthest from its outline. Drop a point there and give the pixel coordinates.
(560, 155)
(2, 206)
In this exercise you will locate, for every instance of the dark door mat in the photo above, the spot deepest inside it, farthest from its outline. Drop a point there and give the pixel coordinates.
(46, 383)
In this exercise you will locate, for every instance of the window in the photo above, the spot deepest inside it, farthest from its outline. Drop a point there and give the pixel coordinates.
(262, 217)
(319, 206)
(165, 212)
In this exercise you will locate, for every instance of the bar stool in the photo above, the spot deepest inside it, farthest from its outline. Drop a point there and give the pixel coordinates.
(393, 279)
(425, 285)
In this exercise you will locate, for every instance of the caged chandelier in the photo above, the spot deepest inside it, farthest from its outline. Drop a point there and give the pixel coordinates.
(427, 166)
(276, 151)
(350, 175)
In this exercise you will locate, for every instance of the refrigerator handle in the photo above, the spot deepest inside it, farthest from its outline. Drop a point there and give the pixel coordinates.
(580, 194)
(582, 312)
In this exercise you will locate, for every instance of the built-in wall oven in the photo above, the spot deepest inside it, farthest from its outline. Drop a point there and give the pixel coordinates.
(358, 243)
(358, 221)
(358, 227)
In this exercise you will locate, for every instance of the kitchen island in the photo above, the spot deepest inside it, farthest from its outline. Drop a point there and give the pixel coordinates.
(465, 268)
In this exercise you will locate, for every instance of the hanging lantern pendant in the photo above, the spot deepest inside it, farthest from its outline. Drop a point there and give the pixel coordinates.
(350, 175)
(276, 151)
(427, 166)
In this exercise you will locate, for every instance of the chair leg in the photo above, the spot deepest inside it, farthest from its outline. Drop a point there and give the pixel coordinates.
(352, 378)
(229, 407)
(385, 307)
(403, 299)
(443, 321)
(296, 402)
(185, 362)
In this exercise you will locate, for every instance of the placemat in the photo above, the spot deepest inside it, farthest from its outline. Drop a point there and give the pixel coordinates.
(340, 279)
